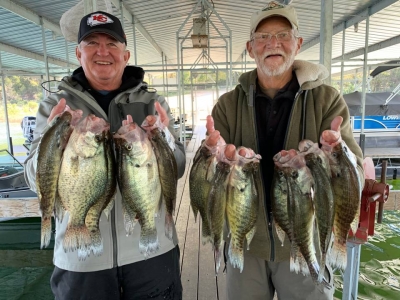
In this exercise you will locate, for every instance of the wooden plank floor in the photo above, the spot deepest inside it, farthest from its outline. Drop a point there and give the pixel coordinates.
(197, 260)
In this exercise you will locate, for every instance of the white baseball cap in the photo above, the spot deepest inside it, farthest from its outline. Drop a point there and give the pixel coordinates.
(274, 9)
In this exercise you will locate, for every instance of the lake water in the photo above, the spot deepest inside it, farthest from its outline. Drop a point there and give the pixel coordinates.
(379, 263)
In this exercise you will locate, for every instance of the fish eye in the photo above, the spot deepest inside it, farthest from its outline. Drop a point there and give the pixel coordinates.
(128, 147)
(295, 174)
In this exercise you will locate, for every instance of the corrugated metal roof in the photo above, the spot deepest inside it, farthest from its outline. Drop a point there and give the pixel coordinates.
(22, 48)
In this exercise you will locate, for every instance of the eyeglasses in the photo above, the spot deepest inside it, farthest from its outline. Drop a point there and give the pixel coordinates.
(263, 37)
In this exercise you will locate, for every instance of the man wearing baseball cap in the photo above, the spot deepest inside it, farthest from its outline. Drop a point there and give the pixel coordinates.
(272, 109)
(107, 87)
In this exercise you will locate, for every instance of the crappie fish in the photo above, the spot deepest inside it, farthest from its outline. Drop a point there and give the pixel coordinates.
(242, 206)
(283, 161)
(105, 203)
(347, 189)
(160, 138)
(318, 163)
(139, 181)
(201, 174)
(279, 205)
(83, 181)
(217, 204)
(49, 153)
(301, 211)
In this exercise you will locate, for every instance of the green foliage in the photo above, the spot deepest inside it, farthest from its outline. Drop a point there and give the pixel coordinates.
(383, 82)
(23, 88)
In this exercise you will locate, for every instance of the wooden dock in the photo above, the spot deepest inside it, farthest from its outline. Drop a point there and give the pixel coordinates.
(197, 260)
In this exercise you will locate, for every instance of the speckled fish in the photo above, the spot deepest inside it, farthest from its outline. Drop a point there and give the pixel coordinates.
(301, 211)
(347, 189)
(279, 201)
(49, 152)
(163, 145)
(201, 174)
(104, 204)
(139, 181)
(318, 163)
(242, 206)
(83, 180)
(217, 204)
(280, 205)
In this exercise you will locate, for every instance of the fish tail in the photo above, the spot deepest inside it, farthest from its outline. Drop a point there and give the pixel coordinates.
(236, 255)
(205, 231)
(148, 242)
(195, 212)
(169, 225)
(76, 237)
(45, 232)
(129, 222)
(84, 253)
(338, 257)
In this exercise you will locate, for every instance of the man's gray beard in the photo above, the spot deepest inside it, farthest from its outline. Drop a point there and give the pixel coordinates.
(275, 72)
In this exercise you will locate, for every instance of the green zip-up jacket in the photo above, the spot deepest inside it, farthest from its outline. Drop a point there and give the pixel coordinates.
(315, 106)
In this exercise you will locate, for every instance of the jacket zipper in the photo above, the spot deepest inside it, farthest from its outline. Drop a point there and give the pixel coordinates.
(114, 236)
(268, 214)
(296, 97)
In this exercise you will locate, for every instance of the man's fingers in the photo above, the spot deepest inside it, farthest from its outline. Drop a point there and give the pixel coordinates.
(210, 124)
(213, 138)
(336, 122)
(162, 113)
(230, 152)
(58, 109)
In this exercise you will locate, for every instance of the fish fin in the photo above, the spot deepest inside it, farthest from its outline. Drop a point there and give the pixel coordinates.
(97, 242)
(354, 224)
(280, 233)
(217, 258)
(45, 232)
(59, 211)
(129, 222)
(169, 221)
(109, 207)
(250, 235)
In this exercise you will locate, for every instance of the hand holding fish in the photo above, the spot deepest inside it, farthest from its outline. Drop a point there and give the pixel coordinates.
(214, 136)
(151, 120)
(58, 109)
(332, 137)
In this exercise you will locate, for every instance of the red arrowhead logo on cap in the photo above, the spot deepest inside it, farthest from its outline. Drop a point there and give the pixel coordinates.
(98, 19)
